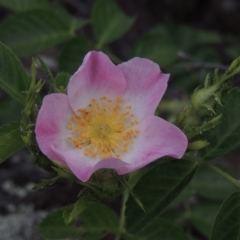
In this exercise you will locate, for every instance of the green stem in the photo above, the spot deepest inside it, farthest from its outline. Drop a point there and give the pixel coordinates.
(114, 57)
(222, 173)
(216, 169)
(122, 216)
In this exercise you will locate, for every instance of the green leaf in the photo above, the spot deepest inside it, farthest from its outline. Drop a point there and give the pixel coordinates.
(156, 190)
(203, 216)
(10, 140)
(176, 216)
(156, 45)
(204, 37)
(33, 31)
(159, 229)
(211, 185)
(98, 217)
(74, 23)
(73, 53)
(53, 227)
(189, 38)
(225, 136)
(13, 78)
(71, 212)
(23, 5)
(96, 221)
(164, 229)
(227, 223)
(109, 22)
(10, 110)
(62, 80)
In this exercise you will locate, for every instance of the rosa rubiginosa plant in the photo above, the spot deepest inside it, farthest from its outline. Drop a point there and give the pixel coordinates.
(97, 129)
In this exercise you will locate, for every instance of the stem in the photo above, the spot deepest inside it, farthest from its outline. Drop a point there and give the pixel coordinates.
(231, 179)
(116, 59)
(122, 216)
(222, 173)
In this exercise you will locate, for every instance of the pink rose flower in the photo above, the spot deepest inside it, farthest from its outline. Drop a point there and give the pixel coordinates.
(107, 119)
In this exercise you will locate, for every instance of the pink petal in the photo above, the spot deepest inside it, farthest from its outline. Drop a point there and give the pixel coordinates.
(51, 124)
(83, 167)
(157, 138)
(146, 85)
(96, 77)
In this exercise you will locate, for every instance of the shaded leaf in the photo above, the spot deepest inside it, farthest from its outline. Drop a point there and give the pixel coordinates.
(73, 22)
(158, 229)
(109, 22)
(54, 227)
(189, 38)
(96, 221)
(227, 223)
(156, 190)
(203, 216)
(10, 110)
(33, 31)
(13, 78)
(176, 216)
(23, 5)
(73, 53)
(156, 45)
(98, 217)
(10, 140)
(204, 37)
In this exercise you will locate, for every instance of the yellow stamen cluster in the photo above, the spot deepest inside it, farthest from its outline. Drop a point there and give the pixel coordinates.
(105, 128)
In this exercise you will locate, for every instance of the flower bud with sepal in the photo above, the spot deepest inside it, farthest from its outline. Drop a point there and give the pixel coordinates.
(204, 100)
(105, 185)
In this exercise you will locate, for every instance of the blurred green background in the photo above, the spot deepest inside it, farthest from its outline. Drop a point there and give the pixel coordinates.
(187, 38)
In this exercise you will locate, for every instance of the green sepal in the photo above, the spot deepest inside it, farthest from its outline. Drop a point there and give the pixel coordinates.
(196, 145)
(49, 75)
(203, 100)
(207, 81)
(46, 183)
(200, 99)
(193, 131)
(29, 115)
(64, 172)
(233, 69)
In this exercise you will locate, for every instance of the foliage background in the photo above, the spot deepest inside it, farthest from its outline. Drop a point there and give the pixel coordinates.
(188, 38)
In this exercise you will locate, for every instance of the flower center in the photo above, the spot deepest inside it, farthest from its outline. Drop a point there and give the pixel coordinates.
(106, 128)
